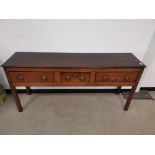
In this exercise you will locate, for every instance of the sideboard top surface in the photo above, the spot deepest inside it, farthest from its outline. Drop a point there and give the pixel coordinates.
(72, 60)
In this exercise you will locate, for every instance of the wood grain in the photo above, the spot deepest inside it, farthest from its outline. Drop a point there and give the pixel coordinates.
(75, 60)
(73, 69)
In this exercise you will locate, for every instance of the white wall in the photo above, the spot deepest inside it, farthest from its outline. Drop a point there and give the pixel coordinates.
(148, 79)
(74, 36)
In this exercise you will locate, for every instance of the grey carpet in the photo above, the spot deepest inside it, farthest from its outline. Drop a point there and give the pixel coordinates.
(77, 114)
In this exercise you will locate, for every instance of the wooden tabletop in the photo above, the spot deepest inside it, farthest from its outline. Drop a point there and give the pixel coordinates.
(72, 60)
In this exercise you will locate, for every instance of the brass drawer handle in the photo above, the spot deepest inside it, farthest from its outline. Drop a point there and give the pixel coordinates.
(105, 78)
(126, 78)
(20, 77)
(67, 78)
(44, 78)
(82, 78)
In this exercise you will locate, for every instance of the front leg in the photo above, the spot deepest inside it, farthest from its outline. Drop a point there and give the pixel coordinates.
(17, 101)
(14, 92)
(131, 94)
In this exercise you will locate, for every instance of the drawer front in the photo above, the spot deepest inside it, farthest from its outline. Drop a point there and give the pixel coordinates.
(74, 77)
(112, 77)
(32, 77)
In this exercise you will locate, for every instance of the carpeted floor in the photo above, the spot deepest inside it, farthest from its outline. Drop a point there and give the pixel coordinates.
(75, 113)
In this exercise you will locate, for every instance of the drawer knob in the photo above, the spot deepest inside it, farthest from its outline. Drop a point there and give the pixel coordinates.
(20, 77)
(82, 78)
(67, 78)
(126, 79)
(44, 78)
(105, 78)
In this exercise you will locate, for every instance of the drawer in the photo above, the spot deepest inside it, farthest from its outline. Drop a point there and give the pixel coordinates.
(124, 77)
(74, 77)
(32, 77)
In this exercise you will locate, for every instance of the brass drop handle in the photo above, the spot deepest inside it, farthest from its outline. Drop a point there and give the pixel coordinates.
(82, 78)
(20, 77)
(105, 78)
(44, 78)
(67, 77)
(126, 78)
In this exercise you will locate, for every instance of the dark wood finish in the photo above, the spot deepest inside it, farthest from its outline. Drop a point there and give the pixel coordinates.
(72, 60)
(73, 69)
(118, 90)
(28, 90)
(14, 93)
(116, 77)
(33, 77)
(132, 92)
(68, 69)
(75, 77)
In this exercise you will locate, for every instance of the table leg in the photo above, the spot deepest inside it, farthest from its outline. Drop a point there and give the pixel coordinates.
(17, 101)
(28, 90)
(132, 92)
(118, 90)
(14, 92)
